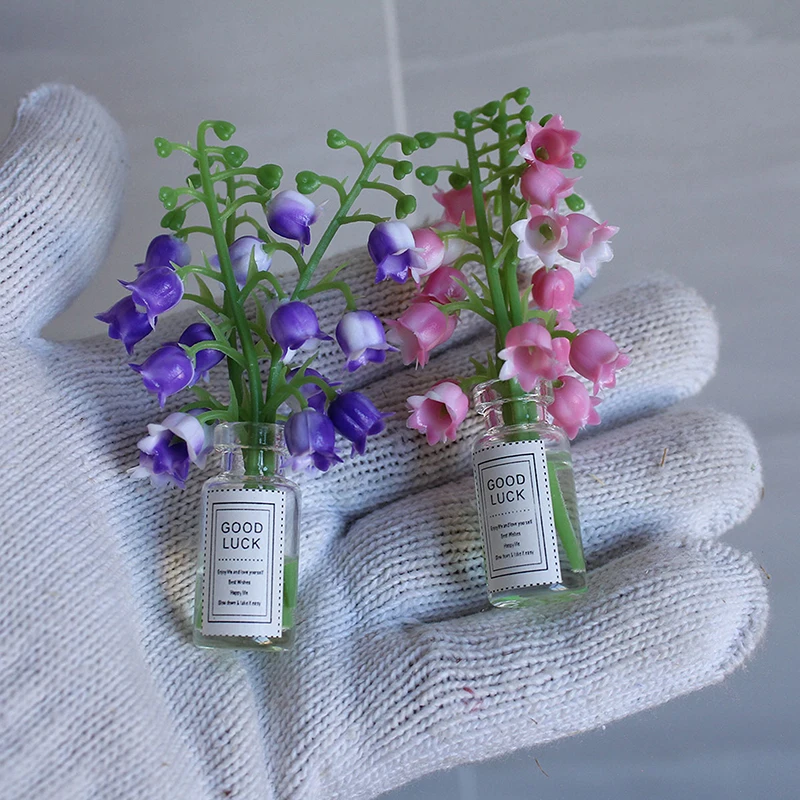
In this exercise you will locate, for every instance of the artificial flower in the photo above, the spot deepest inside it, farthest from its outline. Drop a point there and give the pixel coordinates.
(438, 412)
(166, 371)
(529, 356)
(310, 438)
(551, 144)
(594, 355)
(573, 406)
(355, 417)
(420, 328)
(361, 336)
(126, 323)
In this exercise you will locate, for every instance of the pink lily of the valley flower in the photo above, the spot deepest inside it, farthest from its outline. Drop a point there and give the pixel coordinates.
(529, 356)
(457, 204)
(542, 234)
(543, 185)
(587, 242)
(420, 328)
(453, 245)
(430, 251)
(573, 406)
(554, 289)
(551, 144)
(444, 286)
(438, 412)
(594, 355)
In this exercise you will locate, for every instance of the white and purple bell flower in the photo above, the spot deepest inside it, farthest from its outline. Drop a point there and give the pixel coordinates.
(165, 250)
(156, 290)
(295, 327)
(166, 371)
(310, 438)
(170, 448)
(361, 336)
(126, 323)
(240, 253)
(204, 360)
(291, 215)
(355, 417)
(392, 248)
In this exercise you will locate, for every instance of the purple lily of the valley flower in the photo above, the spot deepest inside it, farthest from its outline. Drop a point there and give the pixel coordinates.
(156, 290)
(355, 417)
(391, 246)
(295, 327)
(165, 250)
(310, 438)
(361, 336)
(170, 448)
(314, 394)
(204, 360)
(291, 215)
(166, 371)
(126, 323)
(240, 252)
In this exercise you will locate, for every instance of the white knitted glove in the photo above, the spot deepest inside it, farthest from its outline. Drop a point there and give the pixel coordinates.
(399, 669)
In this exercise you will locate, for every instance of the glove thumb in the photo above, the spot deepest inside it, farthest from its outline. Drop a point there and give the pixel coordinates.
(62, 172)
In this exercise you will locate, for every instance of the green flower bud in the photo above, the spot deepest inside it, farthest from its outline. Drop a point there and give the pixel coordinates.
(458, 180)
(516, 130)
(163, 147)
(409, 145)
(235, 156)
(497, 125)
(194, 181)
(526, 113)
(174, 219)
(490, 109)
(428, 175)
(168, 197)
(545, 119)
(579, 160)
(307, 181)
(522, 94)
(269, 176)
(336, 139)
(462, 119)
(575, 203)
(223, 130)
(401, 169)
(426, 139)
(406, 205)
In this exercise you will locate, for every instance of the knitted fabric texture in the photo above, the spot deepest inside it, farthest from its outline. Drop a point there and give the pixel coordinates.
(399, 668)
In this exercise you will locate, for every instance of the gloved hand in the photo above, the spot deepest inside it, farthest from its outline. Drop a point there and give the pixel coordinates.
(399, 668)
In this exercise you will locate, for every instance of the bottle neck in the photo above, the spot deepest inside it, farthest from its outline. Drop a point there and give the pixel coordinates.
(504, 404)
(250, 449)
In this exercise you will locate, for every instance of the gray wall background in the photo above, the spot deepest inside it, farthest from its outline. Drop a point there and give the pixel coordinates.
(690, 118)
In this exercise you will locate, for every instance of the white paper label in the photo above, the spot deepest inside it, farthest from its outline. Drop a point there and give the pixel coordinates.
(243, 584)
(516, 515)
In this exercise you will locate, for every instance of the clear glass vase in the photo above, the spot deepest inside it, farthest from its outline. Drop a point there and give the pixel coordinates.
(526, 498)
(247, 573)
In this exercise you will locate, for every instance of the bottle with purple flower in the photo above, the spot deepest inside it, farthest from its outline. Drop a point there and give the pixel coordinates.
(246, 589)
(246, 357)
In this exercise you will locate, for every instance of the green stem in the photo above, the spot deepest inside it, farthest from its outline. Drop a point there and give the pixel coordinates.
(232, 305)
(563, 523)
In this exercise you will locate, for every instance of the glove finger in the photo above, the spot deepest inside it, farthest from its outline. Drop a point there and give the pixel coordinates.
(62, 172)
(668, 330)
(410, 699)
(421, 558)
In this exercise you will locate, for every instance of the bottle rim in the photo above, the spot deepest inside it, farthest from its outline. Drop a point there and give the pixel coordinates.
(231, 436)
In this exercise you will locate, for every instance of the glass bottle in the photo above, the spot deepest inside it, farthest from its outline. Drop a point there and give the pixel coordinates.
(526, 498)
(246, 588)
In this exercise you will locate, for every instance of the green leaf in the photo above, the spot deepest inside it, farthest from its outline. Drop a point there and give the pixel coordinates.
(168, 197)
(235, 156)
(173, 220)
(307, 181)
(406, 205)
(195, 181)
(269, 176)
(428, 175)
(224, 130)
(204, 291)
(163, 147)
(401, 169)
(575, 203)
(409, 145)
(336, 139)
(233, 406)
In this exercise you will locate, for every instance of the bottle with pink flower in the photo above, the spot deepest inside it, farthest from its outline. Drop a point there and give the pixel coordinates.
(508, 249)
